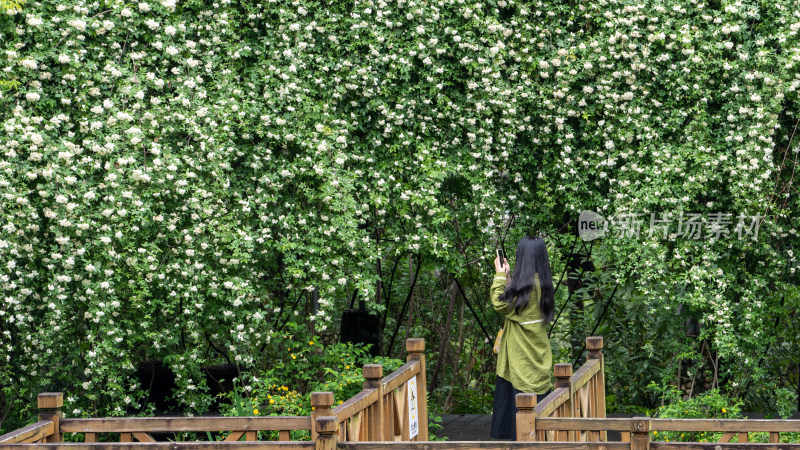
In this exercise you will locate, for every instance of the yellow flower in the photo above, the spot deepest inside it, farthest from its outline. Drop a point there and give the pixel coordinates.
(294, 357)
(310, 342)
(271, 401)
(255, 412)
(723, 410)
(655, 433)
(285, 388)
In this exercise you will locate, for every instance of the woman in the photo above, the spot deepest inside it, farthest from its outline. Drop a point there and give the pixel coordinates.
(524, 358)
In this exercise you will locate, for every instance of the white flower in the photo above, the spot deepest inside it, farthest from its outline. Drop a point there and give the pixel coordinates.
(29, 64)
(63, 59)
(32, 96)
(144, 7)
(170, 30)
(33, 21)
(105, 285)
(78, 24)
(126, 13)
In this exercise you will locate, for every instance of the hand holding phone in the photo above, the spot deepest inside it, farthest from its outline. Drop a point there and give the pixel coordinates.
(500, 262)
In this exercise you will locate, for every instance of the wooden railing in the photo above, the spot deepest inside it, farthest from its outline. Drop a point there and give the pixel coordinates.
(579, 394)
(394, 408)
(638, 431)
(572, 417)
(381, 411)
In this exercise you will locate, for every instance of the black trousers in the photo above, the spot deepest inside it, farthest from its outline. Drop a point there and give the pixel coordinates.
(504, 412)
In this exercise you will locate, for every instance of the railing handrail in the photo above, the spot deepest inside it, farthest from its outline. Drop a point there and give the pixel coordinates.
(179, 424)
(30, 433)
(356, 404)
(663, 424)
(401, 375)
(582, 377)
(553, 401)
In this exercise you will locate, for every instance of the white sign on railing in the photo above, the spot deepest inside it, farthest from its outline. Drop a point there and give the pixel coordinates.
(413, 410)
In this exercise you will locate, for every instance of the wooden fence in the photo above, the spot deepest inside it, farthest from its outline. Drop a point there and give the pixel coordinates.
(381, 417)
(385, 409)
(580, 394)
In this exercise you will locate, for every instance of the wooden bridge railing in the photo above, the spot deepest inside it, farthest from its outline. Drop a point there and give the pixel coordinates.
(394, 408)
(385, 409)
(381, 414)
(580, 394)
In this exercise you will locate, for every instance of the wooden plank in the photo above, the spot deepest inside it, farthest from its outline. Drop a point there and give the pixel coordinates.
(355, 404)
(726, 437)
(583, 401)
(251, 435)
(774, 438)
(742, 438)
(90, 437)
(556, 398)
(125, 437)
(584, 374)
(581, 424)
(494, 445)
(284, 435)
(399, 395)
(143, 437)
(177, 424)
(400, 376)
(189, 445)
(31, 433)
(737, 425)
(718, 446)
(405, 432)
(234, 436)
(354, 427)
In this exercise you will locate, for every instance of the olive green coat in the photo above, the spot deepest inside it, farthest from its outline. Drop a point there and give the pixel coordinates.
(524, 357)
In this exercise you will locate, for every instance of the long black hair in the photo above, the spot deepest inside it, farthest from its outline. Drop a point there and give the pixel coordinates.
(531, 258)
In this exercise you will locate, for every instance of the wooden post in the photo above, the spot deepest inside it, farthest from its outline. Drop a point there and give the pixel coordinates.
(50, 404)
(416, 348)
(640, 440)
(321, 403)
(372, 376)
(526, 417)
(562, 373)
(325, 427)
(594, 345)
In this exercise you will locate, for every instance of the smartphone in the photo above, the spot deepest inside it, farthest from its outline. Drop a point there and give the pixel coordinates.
(502, 255)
